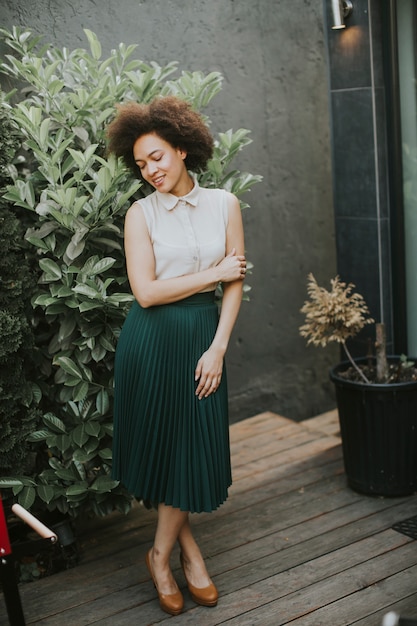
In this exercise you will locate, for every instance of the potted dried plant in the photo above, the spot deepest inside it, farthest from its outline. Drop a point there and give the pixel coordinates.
(376, 395)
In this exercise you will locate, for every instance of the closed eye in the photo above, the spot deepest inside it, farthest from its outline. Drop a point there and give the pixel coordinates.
(141, 166)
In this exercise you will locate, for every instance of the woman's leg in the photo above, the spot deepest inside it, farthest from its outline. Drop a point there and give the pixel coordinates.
(170, 522)
(195, 568)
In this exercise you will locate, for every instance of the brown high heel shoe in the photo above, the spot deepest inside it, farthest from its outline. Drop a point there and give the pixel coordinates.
(172, 603)
(206, 596)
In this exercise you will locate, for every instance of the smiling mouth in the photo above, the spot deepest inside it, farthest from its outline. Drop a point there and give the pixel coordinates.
(158, 181)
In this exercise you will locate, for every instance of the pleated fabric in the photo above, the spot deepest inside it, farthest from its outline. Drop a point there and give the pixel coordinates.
(169, 446)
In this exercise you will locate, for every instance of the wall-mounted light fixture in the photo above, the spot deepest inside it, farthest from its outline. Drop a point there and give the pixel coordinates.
(341, 9)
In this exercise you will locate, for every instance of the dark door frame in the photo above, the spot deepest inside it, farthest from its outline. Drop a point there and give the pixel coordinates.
(395, 173)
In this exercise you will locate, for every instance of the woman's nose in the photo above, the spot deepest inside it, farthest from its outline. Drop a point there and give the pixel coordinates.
(152, 168)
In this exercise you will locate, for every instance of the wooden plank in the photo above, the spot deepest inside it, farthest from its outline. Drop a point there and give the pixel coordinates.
(137, 601)
(326, 423)
(264, 445)
(263, 422)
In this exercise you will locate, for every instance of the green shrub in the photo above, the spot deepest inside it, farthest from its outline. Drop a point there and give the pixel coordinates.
(77, 199)
(18, 412)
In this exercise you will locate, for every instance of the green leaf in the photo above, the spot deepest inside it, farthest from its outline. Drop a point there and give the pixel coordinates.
(77, 489)
(73, 251)
(78, 157)
(58, 308)
(54, 423)
(119, 298)
(102, 266)
(51, 269)
(65, 474)
(39, 435)
(79, 467)
(55, 86)
(68, 366)
(46, 493)
(43, 133)
(47, 476)
(36, 393)
(81, 132)
(68, 324)
(92, 445)
(105, 454)
(98, 353)
(104, 179)
(80, 436)
(102, 402)
(95, 45)
(62, 442)
(88, 306)
(93, 428)
(83, 457)
(107, 343)
(54, 463)
(85, 290)
(38, 243)
(81, 391)
(108, 428)
(104, 484)
(27, 497)
(9, 483)
(45, 300)
(70, 381)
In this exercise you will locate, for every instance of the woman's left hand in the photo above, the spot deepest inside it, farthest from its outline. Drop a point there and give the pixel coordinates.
(208, 373)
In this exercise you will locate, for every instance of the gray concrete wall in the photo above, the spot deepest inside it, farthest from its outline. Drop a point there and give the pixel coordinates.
(272, 56)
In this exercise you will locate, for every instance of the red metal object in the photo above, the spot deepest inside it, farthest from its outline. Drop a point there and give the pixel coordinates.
(5, 548)
(8, 575)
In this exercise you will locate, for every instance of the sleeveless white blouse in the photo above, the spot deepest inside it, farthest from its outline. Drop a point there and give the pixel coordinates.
(188, 233)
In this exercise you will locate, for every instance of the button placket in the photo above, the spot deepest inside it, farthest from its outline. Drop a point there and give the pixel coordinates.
(189, 233)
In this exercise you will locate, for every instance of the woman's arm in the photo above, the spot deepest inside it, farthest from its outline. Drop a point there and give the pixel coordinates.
(140, 262)
(210, 366)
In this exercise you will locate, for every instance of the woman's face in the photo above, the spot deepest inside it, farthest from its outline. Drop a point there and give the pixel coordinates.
(161, 165)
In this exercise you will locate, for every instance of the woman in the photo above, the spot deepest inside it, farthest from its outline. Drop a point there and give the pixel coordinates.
(171, 439)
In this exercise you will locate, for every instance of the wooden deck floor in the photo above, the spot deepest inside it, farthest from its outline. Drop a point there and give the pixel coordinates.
(292, 545)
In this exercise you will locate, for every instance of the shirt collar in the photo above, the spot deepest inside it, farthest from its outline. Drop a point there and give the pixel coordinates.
(169, 201)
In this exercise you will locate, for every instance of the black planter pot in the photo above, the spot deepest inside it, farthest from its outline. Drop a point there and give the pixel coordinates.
(378, 425)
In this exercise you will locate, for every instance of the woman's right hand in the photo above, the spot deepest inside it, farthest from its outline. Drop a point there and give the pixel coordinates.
(232, 267)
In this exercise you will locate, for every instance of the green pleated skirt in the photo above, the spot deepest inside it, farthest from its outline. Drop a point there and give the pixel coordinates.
(169, 446)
